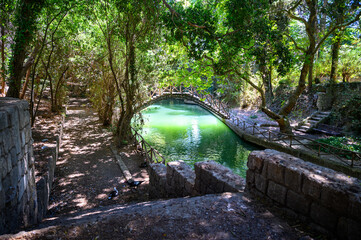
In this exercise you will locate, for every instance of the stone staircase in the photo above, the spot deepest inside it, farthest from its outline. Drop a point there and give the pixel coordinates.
(312, 121)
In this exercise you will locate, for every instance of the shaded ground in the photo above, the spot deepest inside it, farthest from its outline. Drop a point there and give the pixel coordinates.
(86, 170)
(46, 127)
(223, 216)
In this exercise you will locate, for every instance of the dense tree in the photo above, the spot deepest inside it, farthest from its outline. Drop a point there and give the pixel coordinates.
(25, 22)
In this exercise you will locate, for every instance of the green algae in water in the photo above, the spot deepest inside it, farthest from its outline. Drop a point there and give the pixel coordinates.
(190, 133)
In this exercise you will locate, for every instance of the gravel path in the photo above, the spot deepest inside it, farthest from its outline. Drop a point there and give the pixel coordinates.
(86, 171)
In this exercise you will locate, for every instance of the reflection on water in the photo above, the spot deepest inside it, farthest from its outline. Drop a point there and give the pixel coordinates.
(188, 132)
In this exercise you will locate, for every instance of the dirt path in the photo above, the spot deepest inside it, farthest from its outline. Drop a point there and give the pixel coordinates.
(86, 171)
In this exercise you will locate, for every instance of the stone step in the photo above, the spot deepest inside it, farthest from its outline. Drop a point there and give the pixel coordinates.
(311, 121)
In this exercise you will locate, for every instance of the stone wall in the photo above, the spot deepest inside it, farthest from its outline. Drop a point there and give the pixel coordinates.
(215, 178)
(330, 201)
(18, 198)
(331, 95)
(178, 179)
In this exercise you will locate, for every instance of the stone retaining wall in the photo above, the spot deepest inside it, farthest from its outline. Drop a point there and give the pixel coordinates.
(178, 179)
(330, 200)
(18, 198)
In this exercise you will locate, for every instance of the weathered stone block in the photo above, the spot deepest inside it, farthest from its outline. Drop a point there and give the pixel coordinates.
(276, 172)
(250, 180)
(310, 187)
(298, 202)
(348, 229)
(9, 163)
(3, 167)
(323, 216)
(178, 175)
(276, 192)
(212, 173)
(2, 198)
(22, 186)
(255, 162)
(3, 120)
(219, 187)
(293, 178)
(265, 169)
(260, 183)
(354, 208)
(14, 177)
(14, 158)
(335, 199)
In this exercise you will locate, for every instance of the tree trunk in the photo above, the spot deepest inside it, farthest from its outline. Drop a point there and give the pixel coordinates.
(26, 24)
(25, 86)
(266, 74)
(335, 54)
(310, 72)
(129, 84)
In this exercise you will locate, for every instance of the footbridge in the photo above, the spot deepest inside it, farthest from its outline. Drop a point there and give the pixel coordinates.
(201, 98)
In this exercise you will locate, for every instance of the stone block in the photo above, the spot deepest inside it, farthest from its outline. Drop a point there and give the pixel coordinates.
(275, 172)
(348, 229)
(311, 187)
(276, 192)
(2, 199)
(293, 178)
(335, 199)
(261, 183)
(9, 163)
(298, 202)
(178, 175)
(255, 162)
(250, 179)
(188, 187)
(22, 185)
(323, 216)
(354, 208)
(8, 140)
(3, 120)
(219, 187)
(210, 190)
(265, 169)
(22, 138)
(14, 157)
(14, 177)
(3, 167)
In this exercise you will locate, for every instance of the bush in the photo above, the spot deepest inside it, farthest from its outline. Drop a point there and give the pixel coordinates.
(347, 143)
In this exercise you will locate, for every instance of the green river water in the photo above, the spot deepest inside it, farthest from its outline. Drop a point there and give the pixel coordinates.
(190, 133)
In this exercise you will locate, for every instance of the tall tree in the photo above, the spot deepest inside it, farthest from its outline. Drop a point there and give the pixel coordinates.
(25, 23)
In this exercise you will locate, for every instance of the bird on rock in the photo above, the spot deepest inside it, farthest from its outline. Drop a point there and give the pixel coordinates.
(113, 193)
(133, 183)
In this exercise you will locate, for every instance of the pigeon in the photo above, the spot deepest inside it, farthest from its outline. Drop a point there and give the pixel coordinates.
(133, 183)
(113, 193)
(143, 165)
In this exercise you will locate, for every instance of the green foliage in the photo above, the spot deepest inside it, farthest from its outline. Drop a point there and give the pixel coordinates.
(347, 143)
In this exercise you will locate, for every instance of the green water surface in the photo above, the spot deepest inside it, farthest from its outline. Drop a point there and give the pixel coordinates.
(188, 132)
